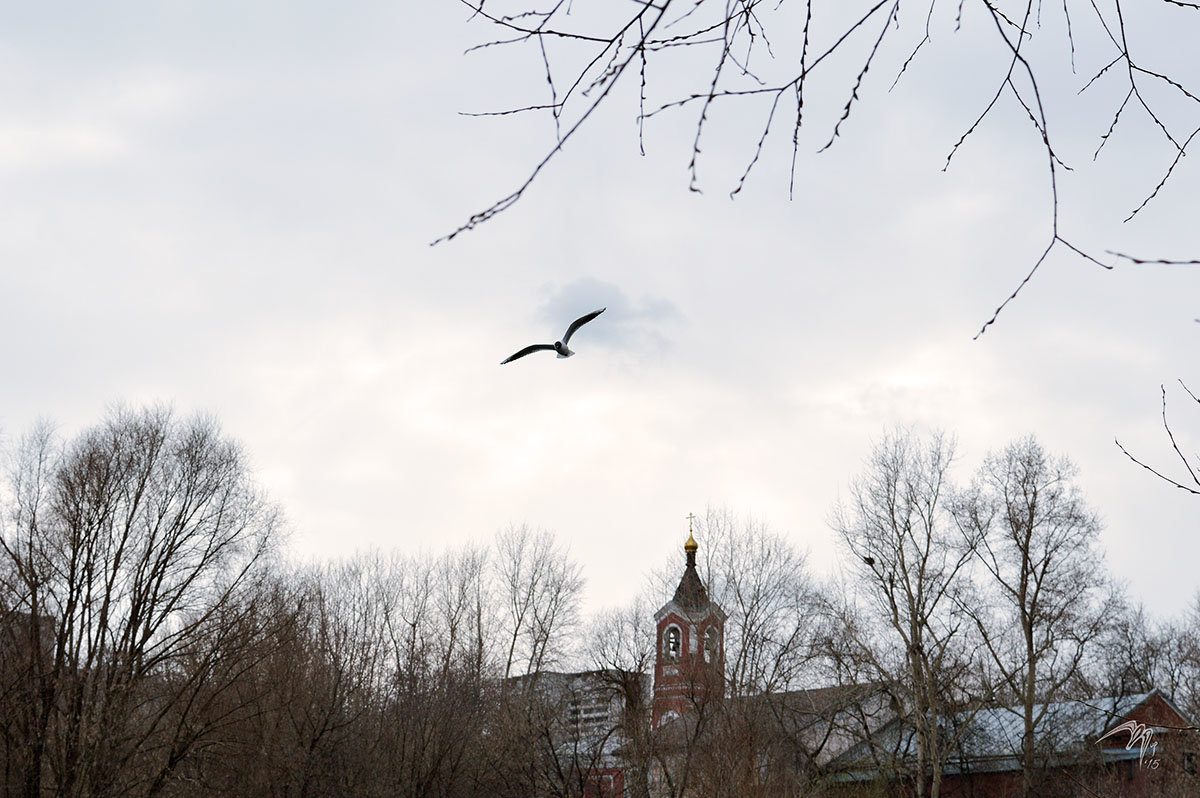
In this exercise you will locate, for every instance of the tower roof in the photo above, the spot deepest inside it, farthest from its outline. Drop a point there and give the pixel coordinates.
(691, 593)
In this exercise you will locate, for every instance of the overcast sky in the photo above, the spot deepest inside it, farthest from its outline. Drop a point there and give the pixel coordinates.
(228, 207)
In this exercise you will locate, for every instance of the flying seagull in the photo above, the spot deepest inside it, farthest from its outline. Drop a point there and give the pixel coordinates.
(558, 346)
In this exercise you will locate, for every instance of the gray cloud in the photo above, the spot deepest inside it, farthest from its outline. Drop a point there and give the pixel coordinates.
(632, 325)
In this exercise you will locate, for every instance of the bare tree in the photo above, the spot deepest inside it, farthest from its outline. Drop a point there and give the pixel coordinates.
(333, 667)
(464, 607)
(910, 562)
(123, 552)
(1035, 539)
(443, 690)
(1129, 654)
(781, 64)
(250, 744)
(1138, 653)
(540, 588)
(377, 676)
(623, 649)
(762, 581)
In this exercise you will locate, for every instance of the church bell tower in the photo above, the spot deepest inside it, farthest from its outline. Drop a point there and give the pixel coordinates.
(689, 665)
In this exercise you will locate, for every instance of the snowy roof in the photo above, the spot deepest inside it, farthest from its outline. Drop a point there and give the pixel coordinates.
(997, 732)
(990, 739)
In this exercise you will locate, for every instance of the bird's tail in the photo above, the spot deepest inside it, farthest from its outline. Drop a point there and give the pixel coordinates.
(565, 353)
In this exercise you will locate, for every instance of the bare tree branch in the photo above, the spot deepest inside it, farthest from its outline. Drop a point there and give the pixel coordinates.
(741, 34)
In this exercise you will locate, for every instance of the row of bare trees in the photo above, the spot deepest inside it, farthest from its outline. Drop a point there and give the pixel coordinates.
(154, 641)
(965, 597)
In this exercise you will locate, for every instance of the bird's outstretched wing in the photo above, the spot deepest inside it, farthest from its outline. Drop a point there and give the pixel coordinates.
(579, 322)
(527, 350)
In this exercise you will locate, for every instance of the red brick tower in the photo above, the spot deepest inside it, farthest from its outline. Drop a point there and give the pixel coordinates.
(689, 666)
